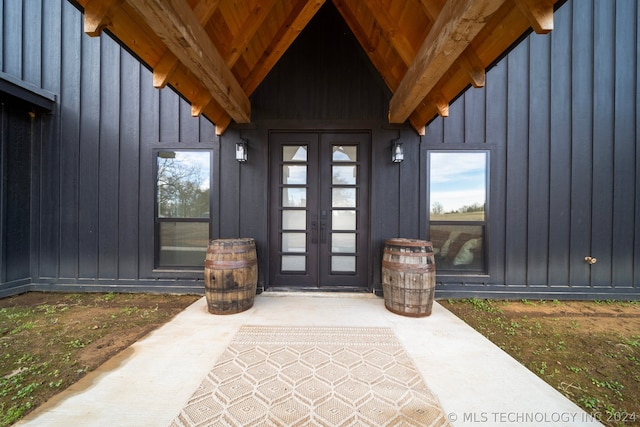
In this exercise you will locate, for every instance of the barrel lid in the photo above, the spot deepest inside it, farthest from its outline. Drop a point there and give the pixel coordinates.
(224, 242)
(400, 241)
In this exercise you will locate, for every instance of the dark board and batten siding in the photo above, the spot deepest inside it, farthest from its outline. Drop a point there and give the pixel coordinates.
(93, 186)
(560, 115)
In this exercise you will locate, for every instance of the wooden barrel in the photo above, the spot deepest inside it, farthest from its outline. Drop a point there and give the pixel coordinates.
(408, 277)
(230, 275)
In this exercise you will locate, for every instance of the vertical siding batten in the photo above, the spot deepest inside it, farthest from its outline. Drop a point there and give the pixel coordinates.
(69, 139)
(581, 143)
(624, 152)
(603, 141)
(538, 155)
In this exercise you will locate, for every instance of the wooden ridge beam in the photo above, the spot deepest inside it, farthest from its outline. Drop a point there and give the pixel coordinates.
(457, 25)
(539, 13)
(178, 27)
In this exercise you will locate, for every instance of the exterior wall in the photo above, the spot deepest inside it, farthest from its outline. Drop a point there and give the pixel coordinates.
(558, 115)
(93, 186)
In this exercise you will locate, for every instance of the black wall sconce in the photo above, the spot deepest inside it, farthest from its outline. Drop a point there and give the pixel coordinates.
(241, 150)
(397, 151)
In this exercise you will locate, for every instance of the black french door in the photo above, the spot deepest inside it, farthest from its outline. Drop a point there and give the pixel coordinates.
(319, 218)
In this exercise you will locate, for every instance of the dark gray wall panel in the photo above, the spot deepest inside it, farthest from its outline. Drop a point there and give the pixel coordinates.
(562, 125)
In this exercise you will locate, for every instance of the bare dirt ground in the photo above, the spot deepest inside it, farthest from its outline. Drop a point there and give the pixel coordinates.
(48, 341)
(588, 350)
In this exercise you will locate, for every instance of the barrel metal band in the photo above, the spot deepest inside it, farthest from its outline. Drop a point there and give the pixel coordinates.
(229, 263)
(413, 268)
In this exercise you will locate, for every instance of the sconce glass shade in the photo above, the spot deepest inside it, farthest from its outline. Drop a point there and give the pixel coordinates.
(397, 152)
(241, 151)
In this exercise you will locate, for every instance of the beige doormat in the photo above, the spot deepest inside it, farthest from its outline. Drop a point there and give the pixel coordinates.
(313, 376)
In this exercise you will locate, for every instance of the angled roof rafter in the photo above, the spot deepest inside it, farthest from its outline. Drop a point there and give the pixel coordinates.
(215, 53)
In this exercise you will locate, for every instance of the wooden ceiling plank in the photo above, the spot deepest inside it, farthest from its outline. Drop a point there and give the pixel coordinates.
(177, 25)
(539, 13)
(432, 8)
(472, 64)
(248, 30)
(392, 33)
(374, 55)
(295, 23)
(458, 23)
(96, 15)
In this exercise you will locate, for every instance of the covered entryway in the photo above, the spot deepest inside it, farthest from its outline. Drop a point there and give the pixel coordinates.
(319, 210)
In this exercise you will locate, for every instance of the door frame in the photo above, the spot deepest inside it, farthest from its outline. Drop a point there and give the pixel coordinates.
(367, 210)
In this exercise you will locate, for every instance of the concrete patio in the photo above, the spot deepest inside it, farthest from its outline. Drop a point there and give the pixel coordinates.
(147, 384)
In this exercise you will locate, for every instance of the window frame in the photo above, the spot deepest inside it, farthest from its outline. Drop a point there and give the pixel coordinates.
(158, 220)
(484, 270)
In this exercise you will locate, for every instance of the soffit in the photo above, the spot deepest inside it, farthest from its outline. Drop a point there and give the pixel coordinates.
(215, 53)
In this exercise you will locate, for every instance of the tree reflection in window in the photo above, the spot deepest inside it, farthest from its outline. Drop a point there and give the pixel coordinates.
(183, 200)
(183, 184)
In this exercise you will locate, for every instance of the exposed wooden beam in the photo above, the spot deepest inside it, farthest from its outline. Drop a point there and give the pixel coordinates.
(391, 32)
(96, 16)
(456, 26)
(164, 69)
(203, 10)
(260, 11)
(178, 27)
(198, 105)
(442, 105)
(295, 23)
(539, 13)
(473, 66)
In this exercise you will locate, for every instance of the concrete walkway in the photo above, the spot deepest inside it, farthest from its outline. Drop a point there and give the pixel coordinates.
(147, 384)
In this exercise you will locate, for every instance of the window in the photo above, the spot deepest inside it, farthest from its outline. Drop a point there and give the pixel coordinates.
(182, 208)
(457, 209)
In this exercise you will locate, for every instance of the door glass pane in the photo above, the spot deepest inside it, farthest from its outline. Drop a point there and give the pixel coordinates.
(292, 174)
(457, 186)
(183, 184)
(343, 220)
(294, 242)
(294, 197)
(294, 220)
(344, 175)
(183, 244)
(343, 242)
(343, 198)
(294, 153)
(345, 153)
(344, 264)
(293, 263)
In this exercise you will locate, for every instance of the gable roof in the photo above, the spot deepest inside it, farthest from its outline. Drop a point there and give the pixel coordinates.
(215, 53)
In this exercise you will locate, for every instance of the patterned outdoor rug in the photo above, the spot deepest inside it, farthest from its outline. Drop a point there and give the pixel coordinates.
(308, 376)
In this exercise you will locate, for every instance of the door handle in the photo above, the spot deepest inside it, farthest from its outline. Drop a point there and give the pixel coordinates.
(314, 231)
